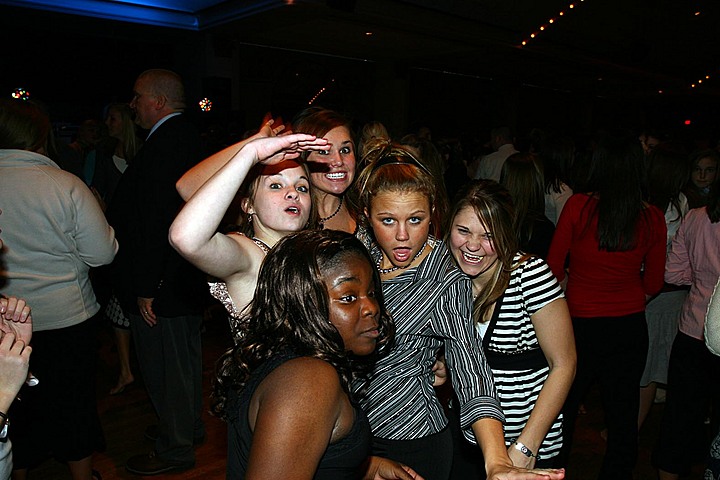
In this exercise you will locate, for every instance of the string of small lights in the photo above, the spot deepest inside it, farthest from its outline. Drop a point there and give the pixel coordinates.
(322, 90)
(700, 81)
(551, 21)
(697, 13)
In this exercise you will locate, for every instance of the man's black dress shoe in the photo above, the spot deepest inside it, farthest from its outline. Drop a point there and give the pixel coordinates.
(151, 464)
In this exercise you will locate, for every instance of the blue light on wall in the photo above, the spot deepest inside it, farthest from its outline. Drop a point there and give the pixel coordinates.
(140, 12)
(184, 14)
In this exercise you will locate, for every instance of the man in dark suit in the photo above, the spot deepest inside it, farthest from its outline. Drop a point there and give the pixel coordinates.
(161, 293)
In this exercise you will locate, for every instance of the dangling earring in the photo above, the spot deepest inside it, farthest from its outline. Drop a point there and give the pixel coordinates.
(250, 215)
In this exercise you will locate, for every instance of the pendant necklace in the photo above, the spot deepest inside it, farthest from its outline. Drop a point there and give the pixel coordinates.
(325, 219)
(384, 271)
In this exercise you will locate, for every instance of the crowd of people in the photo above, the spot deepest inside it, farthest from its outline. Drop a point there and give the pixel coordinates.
(359, 270)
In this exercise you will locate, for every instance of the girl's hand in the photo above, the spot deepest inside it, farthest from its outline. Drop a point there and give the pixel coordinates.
(272, 127)
(385, 469)
(15, 318)
(274, 150)
(505, 472)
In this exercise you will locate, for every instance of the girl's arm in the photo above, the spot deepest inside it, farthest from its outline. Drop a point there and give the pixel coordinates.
(489, 435)
(653, 274)
(712, 322)
(561, 241)
(677, 268)
(293, 414)
(194, 178)
(553, 329)
(194, 234)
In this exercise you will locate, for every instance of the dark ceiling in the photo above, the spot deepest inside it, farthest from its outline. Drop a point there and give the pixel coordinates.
(634, 49)
(621, 47)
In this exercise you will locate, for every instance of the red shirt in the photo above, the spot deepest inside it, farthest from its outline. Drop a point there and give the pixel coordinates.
(602, 283)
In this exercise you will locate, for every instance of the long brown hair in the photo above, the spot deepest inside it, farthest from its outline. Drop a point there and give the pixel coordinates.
(522, 175)
(494, 207)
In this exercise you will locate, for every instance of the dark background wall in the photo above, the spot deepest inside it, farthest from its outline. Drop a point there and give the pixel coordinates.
(77, 65)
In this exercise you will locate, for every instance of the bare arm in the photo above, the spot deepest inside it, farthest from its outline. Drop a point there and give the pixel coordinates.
(489, 435)
(297, 404)
(553, 328)
(194, 232)
(194, 178)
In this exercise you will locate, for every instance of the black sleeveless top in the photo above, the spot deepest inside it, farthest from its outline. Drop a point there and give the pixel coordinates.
(343, 460)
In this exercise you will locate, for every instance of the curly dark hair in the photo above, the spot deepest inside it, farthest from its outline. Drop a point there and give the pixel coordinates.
(290, 311)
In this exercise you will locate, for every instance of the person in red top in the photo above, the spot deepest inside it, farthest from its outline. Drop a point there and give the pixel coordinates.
(609, 252)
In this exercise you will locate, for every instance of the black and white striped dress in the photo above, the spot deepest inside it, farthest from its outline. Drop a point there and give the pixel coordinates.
(513, 352)
(432, 307)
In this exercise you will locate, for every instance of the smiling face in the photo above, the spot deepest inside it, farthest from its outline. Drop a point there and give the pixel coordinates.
(353, 307)
(472, 245)
(281, 203)
(333, 170)
(401, 223)
(704, 172)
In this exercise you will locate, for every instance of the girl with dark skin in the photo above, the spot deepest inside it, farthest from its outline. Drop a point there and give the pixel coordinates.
(315, 323)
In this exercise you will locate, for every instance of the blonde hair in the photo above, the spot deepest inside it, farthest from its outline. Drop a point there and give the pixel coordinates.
(389, 167)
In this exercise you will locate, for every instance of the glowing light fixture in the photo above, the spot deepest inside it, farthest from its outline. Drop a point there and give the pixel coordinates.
(21, 94)
(205, 104)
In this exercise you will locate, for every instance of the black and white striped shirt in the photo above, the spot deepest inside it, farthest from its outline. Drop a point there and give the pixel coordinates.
(432, 307)
(513, 350)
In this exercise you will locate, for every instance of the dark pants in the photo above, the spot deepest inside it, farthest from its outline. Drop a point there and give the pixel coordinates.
(59, 417)
(170, 359)
(611, 350)
(429, 456)
(693, 383)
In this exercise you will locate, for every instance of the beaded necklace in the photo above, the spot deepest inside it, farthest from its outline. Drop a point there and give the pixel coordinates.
(384, 271)
(325, 219)
(263, 246)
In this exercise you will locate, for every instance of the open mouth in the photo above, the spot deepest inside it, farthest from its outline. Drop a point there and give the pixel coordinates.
(293, 210)
(401, 254)
(470, 258)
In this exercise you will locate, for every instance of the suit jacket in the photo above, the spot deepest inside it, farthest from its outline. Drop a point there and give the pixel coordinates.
(143, 208)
